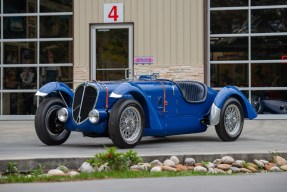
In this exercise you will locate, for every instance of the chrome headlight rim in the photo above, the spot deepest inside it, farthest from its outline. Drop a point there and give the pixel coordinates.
(63, 114)
(94, 116)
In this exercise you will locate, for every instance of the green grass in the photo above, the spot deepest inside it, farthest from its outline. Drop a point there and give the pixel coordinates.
(97, 175)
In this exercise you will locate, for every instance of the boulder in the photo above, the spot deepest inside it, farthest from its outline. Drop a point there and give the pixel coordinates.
(86, 168)
(73, 173)
(284, 167)
(56, 172)
(227, 160)
(63, 168)
(244, 170)
(200, 169)
(168, 168)
(174, 159)
(275, 169)
(224, 167)
(156, 169)
(268, 166)
(235, 169)
(156, 163)
(189, 161)
(263, 161)
(180, 167)
(217, 161)
(279, 160)
(238, 163)
(169, 163)
(259, 163)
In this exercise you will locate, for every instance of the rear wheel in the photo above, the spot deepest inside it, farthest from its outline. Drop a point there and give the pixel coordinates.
(49, 129)
(231, 120)
(126, 123)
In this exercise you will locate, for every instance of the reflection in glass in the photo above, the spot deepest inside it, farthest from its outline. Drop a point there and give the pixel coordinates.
(269, 75)
(229, 74)
(18, 27)
(112, 48)
(269, 20)
(228, 48)
(20, 6)
(269, 102)
(20, 78)
(236, 22)
(110, 75)
(55, 26)
(268, 48)
(19, 103)
(51, 74)
(268, 2)
(228, 3)
(20, 53)
(56, 52)
(56, 5)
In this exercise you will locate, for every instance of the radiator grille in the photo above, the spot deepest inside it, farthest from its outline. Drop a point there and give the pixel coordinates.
(84, 102)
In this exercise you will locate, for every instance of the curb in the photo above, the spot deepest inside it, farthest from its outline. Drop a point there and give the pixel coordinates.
(75, 162)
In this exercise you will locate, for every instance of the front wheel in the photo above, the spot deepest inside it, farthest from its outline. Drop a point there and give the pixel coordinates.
(126, 123)
(231, 120)
(49, 129)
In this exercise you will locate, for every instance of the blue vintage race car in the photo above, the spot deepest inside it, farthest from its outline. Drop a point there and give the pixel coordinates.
(125, 111)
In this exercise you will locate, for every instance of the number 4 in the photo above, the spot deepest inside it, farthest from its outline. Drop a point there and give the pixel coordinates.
(114, 13)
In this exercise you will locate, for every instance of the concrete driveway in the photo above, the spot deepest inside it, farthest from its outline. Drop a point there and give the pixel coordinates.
(18, 140)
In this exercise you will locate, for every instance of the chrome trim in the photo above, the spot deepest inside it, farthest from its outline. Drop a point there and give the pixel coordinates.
(214, 115)
(96, 115)
(39, 93)
(114, 95)
(66, 114)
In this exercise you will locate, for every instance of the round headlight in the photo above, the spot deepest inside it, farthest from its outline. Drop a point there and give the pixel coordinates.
(94, 116)
(63, 115)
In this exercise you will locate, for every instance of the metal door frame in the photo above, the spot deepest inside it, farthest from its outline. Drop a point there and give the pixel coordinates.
(93, 62)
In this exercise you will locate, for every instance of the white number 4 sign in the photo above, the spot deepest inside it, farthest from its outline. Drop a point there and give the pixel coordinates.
(113, 12)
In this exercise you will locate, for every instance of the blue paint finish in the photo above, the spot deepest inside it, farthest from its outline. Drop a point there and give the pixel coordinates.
(56, 86)
(177, 117)
(230, 91)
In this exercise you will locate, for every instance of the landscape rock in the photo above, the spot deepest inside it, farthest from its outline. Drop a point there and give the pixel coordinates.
(268, 166)
(263, 161)
(235, 169)
(217, 161)
(251, 169)
(174, 159)
(200, 169)
(156, 163)
(56, 172)
(63, 168)
(169, 163)
(227, 160)
(156, 169)
(190, 168)
(284, 167)
(168, 168)
(209, 165)
(252, 165)
(279, 160)
(146, 166)
(238, 163)
(217, 171)
(275, 169)
(229, 172)
(86, 168)
(259, 163)
(73, 173)
(180, 167)
(198, 164)
(189, 161)
(139, 168)
(224, 167)
(104, 167)
(244, 170)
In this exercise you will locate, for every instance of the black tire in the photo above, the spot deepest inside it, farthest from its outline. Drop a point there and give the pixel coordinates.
(230, 125)
(48, 128)
(119, 130)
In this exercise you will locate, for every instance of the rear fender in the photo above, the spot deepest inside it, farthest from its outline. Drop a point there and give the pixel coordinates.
(222, 96)
(61, 89)
(129, 89)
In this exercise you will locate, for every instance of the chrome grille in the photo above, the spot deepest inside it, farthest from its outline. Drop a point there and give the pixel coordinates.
(84, 102)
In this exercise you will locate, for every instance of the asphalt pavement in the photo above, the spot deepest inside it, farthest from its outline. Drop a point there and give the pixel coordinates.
(18, 140)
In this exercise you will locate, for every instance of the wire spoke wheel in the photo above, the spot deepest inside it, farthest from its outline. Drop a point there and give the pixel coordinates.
(232, 120)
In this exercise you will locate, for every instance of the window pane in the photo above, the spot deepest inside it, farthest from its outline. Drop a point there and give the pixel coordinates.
(268, 2)
(20, 27)
(19, 103)
(20, 6)
(269, 75)
(110, 75)
(228, 3)
(236, 22)
(20, 53)
(268, 48)
(229, 74)
(62, 74)
(20, 78)
(269, 102)
(56, 52)
(228, 48)
(269, 20)
(56, 5)
(55, 26)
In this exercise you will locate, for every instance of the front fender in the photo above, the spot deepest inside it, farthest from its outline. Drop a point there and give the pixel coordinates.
(52, 87)
(134, 90)
(222, 96)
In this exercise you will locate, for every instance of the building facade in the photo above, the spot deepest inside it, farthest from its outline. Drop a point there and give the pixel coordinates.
(219, 42)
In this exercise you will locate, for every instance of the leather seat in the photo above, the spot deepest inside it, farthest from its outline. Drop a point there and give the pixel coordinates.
(192, 91)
